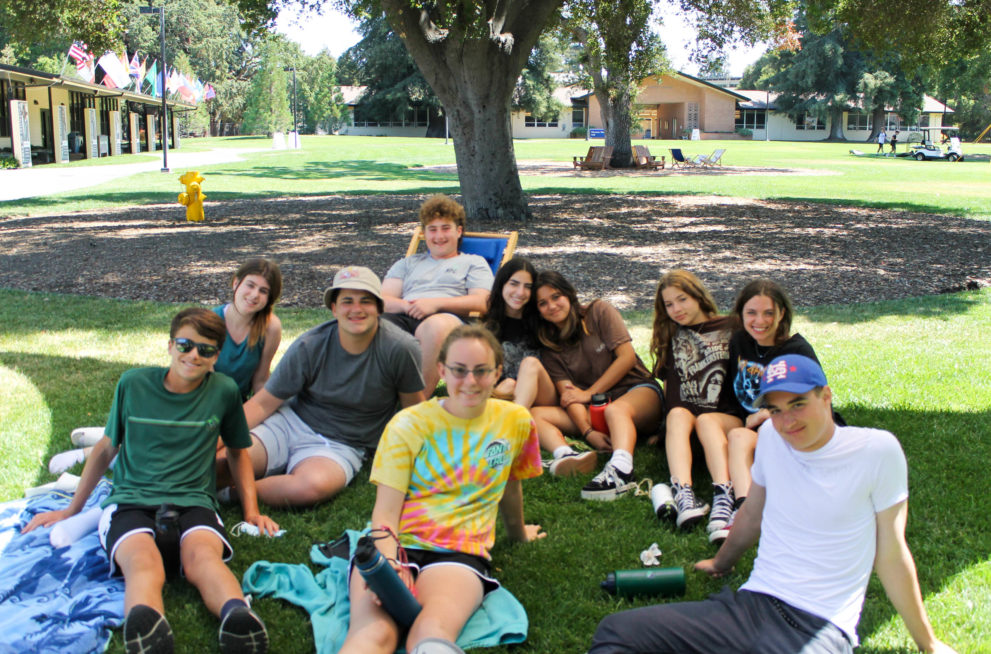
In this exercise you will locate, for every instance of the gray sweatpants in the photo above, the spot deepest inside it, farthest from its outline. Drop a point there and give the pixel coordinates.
(727, 622)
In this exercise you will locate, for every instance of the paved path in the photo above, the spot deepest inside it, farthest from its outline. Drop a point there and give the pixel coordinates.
(47, 180)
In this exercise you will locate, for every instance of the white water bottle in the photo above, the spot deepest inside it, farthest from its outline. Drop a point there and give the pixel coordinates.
(663, 501)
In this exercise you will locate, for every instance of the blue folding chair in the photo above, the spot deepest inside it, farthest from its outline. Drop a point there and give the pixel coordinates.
(494, 247)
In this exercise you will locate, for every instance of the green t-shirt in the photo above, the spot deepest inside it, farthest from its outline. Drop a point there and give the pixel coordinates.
(168, 441)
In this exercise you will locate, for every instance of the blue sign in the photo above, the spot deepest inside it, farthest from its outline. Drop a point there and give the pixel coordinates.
(596, 133)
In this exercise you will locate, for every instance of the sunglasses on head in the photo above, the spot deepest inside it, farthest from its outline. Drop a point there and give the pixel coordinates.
(206, 350)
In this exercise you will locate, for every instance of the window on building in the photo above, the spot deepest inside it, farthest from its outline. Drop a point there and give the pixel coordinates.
(78, 103)
(530, 121)
(750, 119)
(578, 117)
(892, 122)
(858, 121)
(808, 122)
(8, 91)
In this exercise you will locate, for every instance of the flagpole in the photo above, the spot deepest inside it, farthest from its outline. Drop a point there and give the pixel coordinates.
(165, 123)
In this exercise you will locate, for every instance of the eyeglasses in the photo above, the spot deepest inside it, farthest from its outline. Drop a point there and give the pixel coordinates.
(206, 350)
(460, 372)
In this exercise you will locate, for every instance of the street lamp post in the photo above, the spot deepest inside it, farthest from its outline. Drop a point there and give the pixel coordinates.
(165, 124)
(295, 134)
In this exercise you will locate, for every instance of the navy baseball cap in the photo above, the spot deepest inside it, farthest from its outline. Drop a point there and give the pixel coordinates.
(791, 373)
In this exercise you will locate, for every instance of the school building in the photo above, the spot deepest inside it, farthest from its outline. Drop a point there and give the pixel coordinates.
(46, 118)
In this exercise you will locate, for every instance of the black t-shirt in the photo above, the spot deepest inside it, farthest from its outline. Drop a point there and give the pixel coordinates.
(747, 361)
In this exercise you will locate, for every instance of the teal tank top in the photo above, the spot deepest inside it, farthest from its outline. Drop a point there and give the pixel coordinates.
(237, 360)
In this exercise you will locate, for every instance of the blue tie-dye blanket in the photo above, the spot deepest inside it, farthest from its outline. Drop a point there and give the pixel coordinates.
(54, 600)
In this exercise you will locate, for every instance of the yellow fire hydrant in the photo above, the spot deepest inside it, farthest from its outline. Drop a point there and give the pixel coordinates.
(192, 198)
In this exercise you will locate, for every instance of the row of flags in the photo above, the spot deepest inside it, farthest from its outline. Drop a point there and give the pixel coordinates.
(121, 73)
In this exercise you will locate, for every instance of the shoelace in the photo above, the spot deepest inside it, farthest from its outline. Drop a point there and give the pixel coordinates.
(722, 507)
(685, 499)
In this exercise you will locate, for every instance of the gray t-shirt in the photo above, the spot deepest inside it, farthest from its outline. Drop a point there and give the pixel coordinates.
(424, 276)
(347, 397)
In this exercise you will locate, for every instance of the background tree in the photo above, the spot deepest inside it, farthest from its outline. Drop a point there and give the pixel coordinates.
(320, 103)
(267, 103)
(544, 72)
(620, 50)
(394, 83)
(96, 22)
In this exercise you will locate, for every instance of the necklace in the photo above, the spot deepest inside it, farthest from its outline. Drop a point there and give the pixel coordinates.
(761, 355)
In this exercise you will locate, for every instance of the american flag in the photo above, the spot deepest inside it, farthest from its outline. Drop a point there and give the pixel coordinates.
(78, 52)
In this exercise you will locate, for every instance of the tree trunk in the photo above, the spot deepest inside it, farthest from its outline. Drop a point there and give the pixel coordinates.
(473, 69)
(836, 124)
(877, 122)
(618, 131)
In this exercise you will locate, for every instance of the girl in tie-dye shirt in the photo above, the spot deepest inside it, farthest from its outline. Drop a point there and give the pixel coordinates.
(444, 469)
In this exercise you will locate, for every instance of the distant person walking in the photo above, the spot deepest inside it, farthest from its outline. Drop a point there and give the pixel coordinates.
(881, 138)
(894, 141)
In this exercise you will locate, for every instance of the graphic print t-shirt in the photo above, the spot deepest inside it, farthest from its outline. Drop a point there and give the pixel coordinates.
(454, 471)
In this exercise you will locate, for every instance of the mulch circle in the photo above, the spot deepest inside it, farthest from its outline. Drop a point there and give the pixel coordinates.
(609, 246)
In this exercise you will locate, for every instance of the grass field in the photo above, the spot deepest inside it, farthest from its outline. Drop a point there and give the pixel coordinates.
(920, 368)
(350, 164)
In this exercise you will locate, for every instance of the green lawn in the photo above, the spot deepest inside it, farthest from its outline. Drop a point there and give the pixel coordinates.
(920, 368)
(353, 164)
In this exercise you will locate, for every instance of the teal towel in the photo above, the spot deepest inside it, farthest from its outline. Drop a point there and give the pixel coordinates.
(500, 620)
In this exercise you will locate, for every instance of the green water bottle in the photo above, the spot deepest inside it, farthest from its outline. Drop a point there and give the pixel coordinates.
(663, 582)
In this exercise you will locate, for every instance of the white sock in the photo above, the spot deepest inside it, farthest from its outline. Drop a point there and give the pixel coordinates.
(622, 461)
(65, 460)
(561, 451)
(68, 531)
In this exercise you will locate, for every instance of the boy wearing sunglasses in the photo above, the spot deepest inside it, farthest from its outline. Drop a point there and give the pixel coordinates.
(163, 427)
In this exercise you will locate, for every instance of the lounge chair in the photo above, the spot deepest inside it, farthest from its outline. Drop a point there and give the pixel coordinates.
(714, 159)
(678, 159)
(643, 159)
(494, 247)
(598, 158)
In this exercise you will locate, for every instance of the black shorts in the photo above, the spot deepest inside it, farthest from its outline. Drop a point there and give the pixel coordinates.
(123, 520)
(404, 321)
(409, 324)
(419, 560)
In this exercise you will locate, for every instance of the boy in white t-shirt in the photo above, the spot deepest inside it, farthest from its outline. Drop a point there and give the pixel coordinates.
(828, 504)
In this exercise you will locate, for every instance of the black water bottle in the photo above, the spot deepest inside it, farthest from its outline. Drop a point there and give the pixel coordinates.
(167, 538)
(382, 579)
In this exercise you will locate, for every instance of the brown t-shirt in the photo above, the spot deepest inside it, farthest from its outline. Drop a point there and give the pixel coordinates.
(603, 330)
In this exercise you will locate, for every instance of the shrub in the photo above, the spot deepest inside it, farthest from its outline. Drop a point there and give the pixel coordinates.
(744, 132)
(578, 132)
(7, 161)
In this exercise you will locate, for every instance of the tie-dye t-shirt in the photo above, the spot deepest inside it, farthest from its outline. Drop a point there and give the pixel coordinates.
(454, 471)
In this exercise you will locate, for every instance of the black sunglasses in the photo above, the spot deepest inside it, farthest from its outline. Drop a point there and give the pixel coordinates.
(206, 350)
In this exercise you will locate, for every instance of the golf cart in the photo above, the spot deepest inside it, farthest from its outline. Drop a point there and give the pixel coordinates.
(927, 149)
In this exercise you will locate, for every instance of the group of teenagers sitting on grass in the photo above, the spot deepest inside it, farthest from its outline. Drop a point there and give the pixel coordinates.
(828, 503)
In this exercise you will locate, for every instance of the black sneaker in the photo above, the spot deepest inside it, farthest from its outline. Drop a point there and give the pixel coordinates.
(573, 463)
(243, 632)
(608, 484)
(690, 510)
(722, 506)
(146, 631)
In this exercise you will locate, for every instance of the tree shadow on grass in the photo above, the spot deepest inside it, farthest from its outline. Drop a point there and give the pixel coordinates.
(357, 170)
(77, 392)
(557, 580)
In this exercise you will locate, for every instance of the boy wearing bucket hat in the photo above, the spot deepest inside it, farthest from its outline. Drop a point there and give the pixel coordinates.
(828, 504)
(326, 403)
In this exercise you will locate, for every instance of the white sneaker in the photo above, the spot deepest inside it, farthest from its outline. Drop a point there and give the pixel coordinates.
(574, 463)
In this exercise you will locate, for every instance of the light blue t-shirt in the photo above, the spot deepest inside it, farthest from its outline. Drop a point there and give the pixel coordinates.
(424, 276)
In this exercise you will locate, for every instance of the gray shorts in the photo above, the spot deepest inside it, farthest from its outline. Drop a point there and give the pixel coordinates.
(742, 622)
(289, 441)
